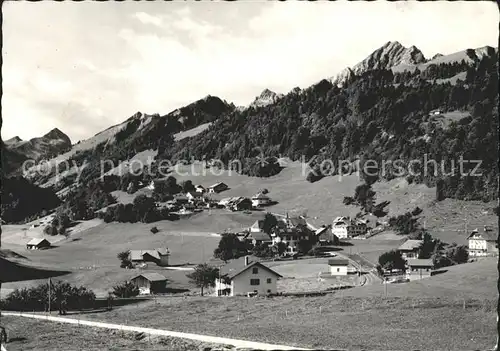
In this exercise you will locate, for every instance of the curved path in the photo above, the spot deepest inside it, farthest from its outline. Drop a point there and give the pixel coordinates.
(159, 332)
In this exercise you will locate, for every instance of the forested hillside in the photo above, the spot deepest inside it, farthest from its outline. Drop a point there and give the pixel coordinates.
(379, 115)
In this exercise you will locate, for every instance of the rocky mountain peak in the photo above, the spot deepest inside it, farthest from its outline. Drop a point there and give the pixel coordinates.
(56, 134)
(266, 97)
(391, 54)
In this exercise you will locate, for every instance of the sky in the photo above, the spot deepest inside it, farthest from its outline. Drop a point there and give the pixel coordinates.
(84, 66)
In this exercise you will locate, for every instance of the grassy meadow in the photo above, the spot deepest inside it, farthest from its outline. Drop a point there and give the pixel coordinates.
(445, 312)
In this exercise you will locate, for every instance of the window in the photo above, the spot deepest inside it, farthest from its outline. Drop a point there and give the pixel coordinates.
(254, 281)
(268, 291)
(338, 269)
(255, 270)
(268, 280)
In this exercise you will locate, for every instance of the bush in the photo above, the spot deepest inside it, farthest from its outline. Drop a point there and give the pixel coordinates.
(36, 298)
(127, 289)
(50, 230)
(154, 230)
(124, 259)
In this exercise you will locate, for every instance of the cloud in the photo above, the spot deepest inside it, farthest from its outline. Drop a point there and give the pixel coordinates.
(148, 19)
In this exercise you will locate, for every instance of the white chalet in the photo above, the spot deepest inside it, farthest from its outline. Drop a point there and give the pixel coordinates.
(260, 200)
(483, 243)
(345, 227)
(246, 276)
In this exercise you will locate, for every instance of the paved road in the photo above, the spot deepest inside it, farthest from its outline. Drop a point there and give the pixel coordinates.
(160, 332)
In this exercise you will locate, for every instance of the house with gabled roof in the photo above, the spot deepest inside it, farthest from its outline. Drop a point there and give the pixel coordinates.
(244, 276)
(217, 187)
(345, 227)
(259, 238)
(260, 199)
(419, 268)
(158, 256)
(410, 248)
(150, 283)
(483, 243)
(38, 244)
(258, 226)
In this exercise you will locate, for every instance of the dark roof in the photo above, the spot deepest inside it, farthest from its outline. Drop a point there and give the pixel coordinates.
(152, 277)
(236, 267)
(217, 184)
(295, 221)
(338, 262)
(193, 194)
(486, 235)
(260, 236)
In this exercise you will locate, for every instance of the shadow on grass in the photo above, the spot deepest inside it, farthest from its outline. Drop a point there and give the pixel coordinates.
(175, 290)
(345, 243)
(9, 253)
(441, 271)
(17, 338)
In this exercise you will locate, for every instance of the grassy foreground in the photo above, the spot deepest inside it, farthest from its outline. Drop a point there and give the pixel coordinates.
(29, 334)
(327, 322)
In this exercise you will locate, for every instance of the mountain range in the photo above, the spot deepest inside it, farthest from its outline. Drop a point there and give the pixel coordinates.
(345, 116)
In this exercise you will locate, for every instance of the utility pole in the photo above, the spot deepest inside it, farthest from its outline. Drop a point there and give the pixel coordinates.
(50, 288)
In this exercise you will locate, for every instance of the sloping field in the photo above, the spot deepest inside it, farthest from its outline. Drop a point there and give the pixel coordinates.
(135, 164)
(322, 201)
(477, 280)
(191, 132)
(91, 254)
(453, 80)
(428, 315)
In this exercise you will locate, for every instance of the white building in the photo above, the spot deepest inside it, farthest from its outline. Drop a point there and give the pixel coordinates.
(344, 227)
(483, 243)
(260, 200)
(199, 189)
(246, 276)
(338, 266)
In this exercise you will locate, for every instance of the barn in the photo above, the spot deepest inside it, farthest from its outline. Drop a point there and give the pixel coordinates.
(150, 283)
(38, 244)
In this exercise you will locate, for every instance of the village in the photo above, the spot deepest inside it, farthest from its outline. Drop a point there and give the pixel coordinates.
(250, 264)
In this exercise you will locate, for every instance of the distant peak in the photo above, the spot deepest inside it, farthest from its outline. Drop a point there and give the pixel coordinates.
(266, 97)
(436, 56)
(56, 134)
(393, 43)
(13, 140)
(267, 93)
